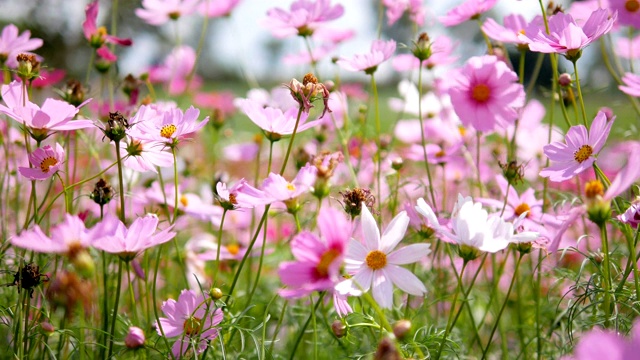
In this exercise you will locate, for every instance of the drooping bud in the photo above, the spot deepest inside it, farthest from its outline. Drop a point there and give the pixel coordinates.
(307, 91)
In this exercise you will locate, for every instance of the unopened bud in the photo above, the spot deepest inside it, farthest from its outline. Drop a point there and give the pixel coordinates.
(135, 338)
(565, 80)
(338, 328)
(215, 293)
(401, 328)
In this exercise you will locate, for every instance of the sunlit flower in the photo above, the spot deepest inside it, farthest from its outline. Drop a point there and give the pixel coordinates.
(628, 12)
(158, 12)
(277, 188)
(240, 195)
(274, 122)
(485, 94)
(579, 151)
(514, 25)
(145, 155)
(171, 126)
(374, 263)
(470, 9)
(380, 52)
(46, 161)
(12, 43)
(68, 238)
(303, 17)
(193, 318)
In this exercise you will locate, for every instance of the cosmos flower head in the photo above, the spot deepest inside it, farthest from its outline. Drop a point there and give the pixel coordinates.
(303, 17)
(46, 162)
(380, 52)
(13, 43)
(159, 12)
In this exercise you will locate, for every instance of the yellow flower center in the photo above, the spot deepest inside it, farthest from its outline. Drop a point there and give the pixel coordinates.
(184, 201)
(322, 270)
(47, 163)
(291, 187)
(593, 188)
(440, 153)
(233, 249)
(632, 5)
(167, 131)
(233, 199)
(376, 260)
(462, 130)
(520, 209)
(192, 326)
(481, 93)
(583, 153)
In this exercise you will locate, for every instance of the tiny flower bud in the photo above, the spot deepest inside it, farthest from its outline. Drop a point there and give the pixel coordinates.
(216, 293)
(397, 164)
(598, 209)
(74, 92)
(352, 200)
(83, 263)
(422, 47)
(467, 252)
(28, 67)
(512, 171)
(338, 328)
(135, 338)
(608, 112)
(565, 80)
(401, 328)
(387, 350)
(102, 193)
(117, 126)
(47, 328)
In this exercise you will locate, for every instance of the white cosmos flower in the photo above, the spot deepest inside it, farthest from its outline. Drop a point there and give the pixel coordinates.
(375, 264)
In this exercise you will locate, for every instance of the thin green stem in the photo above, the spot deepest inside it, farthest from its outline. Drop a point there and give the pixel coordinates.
(304, 327)
(155, 301)
(424, 142)
(453, 304)
(580, 97)
(120, 182)
(504, 305)
(112, 333)
(217, 264)
(293, 135)
(376, 104)
(606, 274)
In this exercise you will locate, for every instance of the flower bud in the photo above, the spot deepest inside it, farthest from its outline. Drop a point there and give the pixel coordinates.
(135, 338)
(338, 328)
(117, 127)
(28, 67)
(467, 252)
(102, 193)
(215, 293)
(387, 350)
(83, 263)
(598, 209)
(46, 328)
(397, 164)
(422, 47)
(565, 80)
(401, 328)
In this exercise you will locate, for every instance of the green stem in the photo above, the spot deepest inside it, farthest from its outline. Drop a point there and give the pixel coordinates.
(453, 304)
(313, 62)
(155, 302)
(376, 104)
(424, 143)
(580, 97)
(606, 274)
(504, 305)
(217, 265)
(120, 182)
(293, 135)
(112, 333)
(304, 327)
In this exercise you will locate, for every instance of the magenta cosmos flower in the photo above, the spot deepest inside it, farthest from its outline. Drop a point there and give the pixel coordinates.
(318, 259)
(568, 38)
(193, 318)
(54, 115)
(158, 12)
(470, 9)
(97, 36)
(485, 94)
(68, 237)
(274, 122)
(380, 52)
(277, 188)
(171, 127)
(128, 243)
(46, 162)
(145, 155)
(514, 25)
(579, 151)
(12, 43)
(375, 264)
(303, 17)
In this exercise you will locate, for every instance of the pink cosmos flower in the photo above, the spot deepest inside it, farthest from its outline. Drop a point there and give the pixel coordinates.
(600, 344)
(580, 150)
(485, 94)
(375, 264)
(303, 17)
(67, 237)
(46, 162)
(628, 12)
(566, 36)
(240, 195)
(318, 259)
(514, 25)
(628, 48)
(128, 243)
(470, 9)
(631, 216)
(193, 318)
(277, 188)
(631, 84)
(48, 78)
(97, 36)
(54, 115)
(175, 69)
(145, 155)
(158, 12)
(274, 122)
(189, 203)
(395, 9)
(12, 44)
(217, 8)
(171, 127)
(380, 52)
